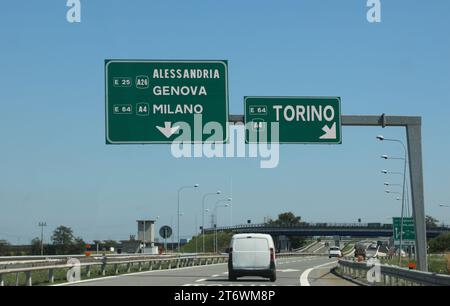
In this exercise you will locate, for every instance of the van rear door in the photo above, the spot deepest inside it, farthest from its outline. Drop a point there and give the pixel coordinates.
(251, 253)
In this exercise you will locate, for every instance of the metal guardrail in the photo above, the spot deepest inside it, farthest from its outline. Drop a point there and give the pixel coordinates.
(120, 266)
(390, 275)
(78, 256)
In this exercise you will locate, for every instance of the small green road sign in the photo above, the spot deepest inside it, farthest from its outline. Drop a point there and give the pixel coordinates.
(160, 101)
(409, 234)
(313, 120)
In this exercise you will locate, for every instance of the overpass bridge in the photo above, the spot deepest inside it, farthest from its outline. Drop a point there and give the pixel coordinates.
(365, 230)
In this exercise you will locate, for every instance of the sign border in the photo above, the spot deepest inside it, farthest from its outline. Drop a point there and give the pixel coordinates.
(227, 107)
(338, 141)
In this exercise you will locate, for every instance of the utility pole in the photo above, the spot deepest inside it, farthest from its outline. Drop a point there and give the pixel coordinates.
(42, 225)
(196, 235)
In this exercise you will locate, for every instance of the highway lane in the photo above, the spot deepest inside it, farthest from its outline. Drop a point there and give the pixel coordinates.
(289, 273)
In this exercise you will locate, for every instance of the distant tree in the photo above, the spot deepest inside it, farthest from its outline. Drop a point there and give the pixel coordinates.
(4, 247)
(289, 219)
(36, 246)
(79, 247)
(63, 236)
(431, 222)
(440, 244)
(65, 241)
(285, 219)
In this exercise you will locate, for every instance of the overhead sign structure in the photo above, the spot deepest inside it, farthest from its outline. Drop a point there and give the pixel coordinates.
(148, 101)
(409, 234)
(165, 232)
(300, 120)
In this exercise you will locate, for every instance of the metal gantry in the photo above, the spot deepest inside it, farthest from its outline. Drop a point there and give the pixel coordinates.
(413, 127)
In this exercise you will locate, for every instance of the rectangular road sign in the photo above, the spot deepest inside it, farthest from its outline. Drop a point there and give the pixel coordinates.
(304, 120)
(409, 233)
(154, 101)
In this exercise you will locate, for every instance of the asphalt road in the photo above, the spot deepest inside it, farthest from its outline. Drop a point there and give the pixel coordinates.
(290, 272)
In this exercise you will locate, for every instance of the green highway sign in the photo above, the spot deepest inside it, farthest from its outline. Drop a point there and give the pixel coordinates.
(304, 120)
(162, 101)
(409, 234)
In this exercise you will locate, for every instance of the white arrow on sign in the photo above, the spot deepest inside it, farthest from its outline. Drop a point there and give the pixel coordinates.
(330, 133)
(168, 130)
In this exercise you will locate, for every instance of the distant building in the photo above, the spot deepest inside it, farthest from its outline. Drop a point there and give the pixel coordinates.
(146, 231)
(145, 238)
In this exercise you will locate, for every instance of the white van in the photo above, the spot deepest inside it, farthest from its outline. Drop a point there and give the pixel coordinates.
(251, 255)
(334, 251)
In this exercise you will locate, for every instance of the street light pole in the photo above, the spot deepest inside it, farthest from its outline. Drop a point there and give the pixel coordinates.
(152, 243)
(381, 138)
(195, 233)
(42, 225)
(173, 234)
(172, 225)
(178, 211)
(203, 216)
(216, 247)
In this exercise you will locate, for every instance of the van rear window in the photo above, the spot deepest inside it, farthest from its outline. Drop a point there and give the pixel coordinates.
(251, 245)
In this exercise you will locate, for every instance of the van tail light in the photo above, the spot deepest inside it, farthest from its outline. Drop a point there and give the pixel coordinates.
(272, 255)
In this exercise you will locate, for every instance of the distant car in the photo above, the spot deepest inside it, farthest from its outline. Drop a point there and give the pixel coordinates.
(251, 255)
(334, 252)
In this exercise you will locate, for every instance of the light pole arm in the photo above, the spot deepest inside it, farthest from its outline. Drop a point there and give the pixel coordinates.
(399, 141)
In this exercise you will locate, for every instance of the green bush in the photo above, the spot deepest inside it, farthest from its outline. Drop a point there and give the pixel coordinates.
(196, 243)
(440, 244)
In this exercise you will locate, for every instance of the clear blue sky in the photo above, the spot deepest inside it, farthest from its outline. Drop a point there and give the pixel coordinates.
(54, 163)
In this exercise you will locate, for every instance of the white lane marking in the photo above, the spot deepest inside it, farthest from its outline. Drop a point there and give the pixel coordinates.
(304, 277)
(215, 275)
(229, 285)
(287, 270)
(132, 274)
(200, 280)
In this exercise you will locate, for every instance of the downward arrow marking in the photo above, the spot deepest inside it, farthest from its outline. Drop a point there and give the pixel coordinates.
(330, 133)
(168, 130)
